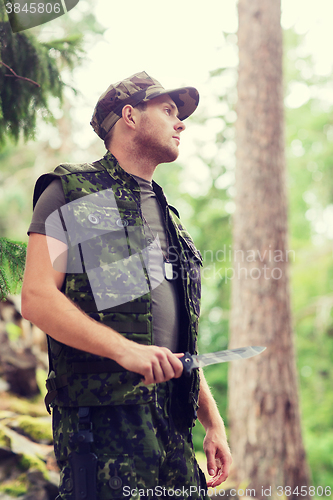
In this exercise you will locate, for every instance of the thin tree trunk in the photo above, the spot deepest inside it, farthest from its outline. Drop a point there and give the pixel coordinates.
(265, 431)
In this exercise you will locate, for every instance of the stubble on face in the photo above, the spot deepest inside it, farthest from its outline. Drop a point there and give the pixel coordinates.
(154, 141)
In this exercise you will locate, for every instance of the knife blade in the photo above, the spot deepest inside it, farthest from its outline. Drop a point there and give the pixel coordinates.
(193, 361)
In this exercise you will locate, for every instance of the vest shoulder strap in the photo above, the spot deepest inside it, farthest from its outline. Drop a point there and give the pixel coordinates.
(174, 210)
(64, 169)
(72, 168)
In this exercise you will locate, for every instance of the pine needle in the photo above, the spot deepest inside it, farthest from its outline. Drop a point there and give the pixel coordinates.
(12, 263)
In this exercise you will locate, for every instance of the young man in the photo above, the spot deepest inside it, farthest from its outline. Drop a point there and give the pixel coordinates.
(113, 278)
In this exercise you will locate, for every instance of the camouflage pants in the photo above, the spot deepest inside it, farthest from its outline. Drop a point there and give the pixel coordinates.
(140, 452)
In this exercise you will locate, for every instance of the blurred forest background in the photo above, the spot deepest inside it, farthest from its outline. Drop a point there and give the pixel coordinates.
(205, 202)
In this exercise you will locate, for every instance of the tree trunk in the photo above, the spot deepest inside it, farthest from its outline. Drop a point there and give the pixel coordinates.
(265, 431)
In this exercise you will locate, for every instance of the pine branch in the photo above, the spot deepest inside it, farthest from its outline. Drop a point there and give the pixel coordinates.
(24, 61)
(12, 263)
(14, 75)
(4, 287)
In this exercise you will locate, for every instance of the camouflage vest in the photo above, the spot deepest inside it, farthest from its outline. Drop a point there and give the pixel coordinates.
(78, 378)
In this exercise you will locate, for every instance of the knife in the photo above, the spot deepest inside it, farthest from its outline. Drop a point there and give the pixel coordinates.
(192, 361)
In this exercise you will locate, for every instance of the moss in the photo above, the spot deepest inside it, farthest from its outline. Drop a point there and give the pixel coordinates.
(15, 488)
(5, 441)
(36, 429)
(35, 407)
(29, 462)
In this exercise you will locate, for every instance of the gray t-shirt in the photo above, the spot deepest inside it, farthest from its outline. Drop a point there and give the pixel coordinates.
(165, 296)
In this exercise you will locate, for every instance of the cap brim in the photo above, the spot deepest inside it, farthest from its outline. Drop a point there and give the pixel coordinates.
(185, 98)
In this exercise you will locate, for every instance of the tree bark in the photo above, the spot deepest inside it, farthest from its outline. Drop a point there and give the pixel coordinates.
(265, 430)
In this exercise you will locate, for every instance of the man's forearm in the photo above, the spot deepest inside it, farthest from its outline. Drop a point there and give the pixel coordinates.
(208, 413)
(59, 317)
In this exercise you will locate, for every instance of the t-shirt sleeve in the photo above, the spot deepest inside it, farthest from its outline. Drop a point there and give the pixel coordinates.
(49, 203)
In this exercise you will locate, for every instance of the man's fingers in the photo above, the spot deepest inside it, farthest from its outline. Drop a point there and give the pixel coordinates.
(177, 365)
(221, 472)
(218, 479)
(211, 463)
(217, 475)
(163, 367)
(162, 372)
(155, 364)
(167, 368)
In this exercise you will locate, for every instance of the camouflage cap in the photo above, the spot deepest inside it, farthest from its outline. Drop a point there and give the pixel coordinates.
(133, 90)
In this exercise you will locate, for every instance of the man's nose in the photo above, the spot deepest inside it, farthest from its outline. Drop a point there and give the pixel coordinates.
(179, 126)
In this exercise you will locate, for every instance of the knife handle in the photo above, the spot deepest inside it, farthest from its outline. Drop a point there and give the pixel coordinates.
(187, 364)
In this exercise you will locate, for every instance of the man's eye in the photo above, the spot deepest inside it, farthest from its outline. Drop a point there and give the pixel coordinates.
(168, 111)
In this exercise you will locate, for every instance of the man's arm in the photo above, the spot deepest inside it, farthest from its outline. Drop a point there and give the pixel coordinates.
(47, 307)
(215, 443)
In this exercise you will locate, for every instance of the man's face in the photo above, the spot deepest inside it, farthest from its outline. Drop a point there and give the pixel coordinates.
(158, 133)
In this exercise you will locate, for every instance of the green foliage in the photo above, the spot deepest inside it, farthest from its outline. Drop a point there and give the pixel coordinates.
(29, 75)
(309, 159)
(320, 456)
(12, 262)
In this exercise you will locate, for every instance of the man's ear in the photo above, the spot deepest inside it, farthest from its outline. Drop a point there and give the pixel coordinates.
(129, 115)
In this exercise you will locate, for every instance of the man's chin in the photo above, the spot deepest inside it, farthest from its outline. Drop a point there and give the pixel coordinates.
(167, 155)
(172, 156)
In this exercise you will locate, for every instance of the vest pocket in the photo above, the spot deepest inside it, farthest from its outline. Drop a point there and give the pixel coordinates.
(66, 486)
(116, 477)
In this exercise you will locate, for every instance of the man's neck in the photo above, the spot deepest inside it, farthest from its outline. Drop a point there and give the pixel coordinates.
(140, 167)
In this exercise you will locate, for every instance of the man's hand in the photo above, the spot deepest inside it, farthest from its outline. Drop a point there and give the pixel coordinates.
(155, 364)
(218, 457)
(215, 444)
